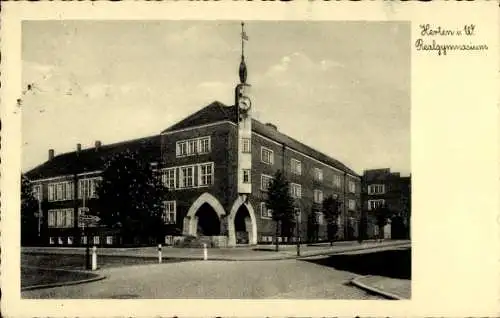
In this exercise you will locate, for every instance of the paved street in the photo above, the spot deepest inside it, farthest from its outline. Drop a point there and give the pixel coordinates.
(215, 279)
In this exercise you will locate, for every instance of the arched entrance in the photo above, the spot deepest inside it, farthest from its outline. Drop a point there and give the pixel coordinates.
(242, 226)
(208, 221)
(204, 216)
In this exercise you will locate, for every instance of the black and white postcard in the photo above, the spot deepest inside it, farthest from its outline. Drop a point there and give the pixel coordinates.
(236, 158)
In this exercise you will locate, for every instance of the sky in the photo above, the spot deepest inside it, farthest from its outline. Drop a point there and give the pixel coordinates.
(342, 88)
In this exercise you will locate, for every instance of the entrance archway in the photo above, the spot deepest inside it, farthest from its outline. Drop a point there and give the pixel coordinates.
(208, 221)
(205, 202)
(241, 223)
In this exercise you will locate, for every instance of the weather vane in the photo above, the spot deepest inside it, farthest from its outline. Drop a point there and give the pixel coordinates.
(243, 67)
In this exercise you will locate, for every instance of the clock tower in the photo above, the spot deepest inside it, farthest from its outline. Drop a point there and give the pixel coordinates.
(243, 104)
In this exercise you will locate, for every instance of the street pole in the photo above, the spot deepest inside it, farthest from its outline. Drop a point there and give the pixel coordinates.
(298, 233)
(87, 250)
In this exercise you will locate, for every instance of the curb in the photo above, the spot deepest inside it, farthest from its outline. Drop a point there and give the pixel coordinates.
(69, 283)
(357, 283)
(218, 258)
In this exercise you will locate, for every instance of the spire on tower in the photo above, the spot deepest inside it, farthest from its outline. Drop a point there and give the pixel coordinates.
(243, 66)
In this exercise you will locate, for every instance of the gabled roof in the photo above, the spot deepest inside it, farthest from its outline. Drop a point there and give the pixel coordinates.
(212, 113)
(91, 159)
(88, 160)
(217, 111)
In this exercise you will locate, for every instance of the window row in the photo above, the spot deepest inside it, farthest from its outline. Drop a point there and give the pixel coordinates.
(373, 204)
(192, 176)
(267, 156)
(61, 218)
(193, 147)
(63, 191)
(109, 240)
(87, 188)
(281, 239)
(376, 189)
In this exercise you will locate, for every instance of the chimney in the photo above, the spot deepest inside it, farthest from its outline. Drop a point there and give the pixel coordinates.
(78, 147)
(272, 126)
(51, 154)
(97, 145)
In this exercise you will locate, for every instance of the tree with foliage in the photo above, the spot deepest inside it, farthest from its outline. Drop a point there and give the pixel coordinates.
(280, 202)
(382, 215)
(362, 227)
(131, 198)
(29, 212)
(331, 211)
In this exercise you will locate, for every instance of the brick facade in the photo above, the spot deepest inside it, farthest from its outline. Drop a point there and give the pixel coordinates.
(217, 122)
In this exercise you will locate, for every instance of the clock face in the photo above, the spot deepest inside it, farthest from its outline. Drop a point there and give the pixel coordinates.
(244, 103)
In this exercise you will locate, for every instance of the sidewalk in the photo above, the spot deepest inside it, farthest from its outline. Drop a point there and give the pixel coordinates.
(391, 288)
(260, 252)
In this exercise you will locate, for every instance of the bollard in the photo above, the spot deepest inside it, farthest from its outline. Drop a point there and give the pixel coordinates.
(94, 258)
(159, 253)
(205, 252)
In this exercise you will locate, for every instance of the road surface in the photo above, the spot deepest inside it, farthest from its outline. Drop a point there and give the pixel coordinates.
(289, 279)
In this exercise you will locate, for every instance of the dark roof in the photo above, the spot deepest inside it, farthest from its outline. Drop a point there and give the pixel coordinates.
(91, 159)
(214, 112)
(217, 111)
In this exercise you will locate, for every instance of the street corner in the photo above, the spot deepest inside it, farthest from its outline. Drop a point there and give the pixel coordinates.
(389, 288)
(33, 278)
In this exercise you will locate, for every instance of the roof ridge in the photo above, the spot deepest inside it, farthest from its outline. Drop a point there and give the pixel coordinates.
(344, 166)
(213, 104)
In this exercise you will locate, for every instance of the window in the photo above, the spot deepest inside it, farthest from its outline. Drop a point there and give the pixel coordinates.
(182, 149)
(109, 240)
(246, 145)
(206, 174)
(87, 188)
(318, 174)
(204, 144)
(351, 204)
(265, 213)
(187, 177)
(246, 175)
(168, 178)
(298, 215)
(170, 211)
(70, 240)
(265, 181)
(52, 218)
(96, 240)
(266, 155)
(62, 218)
(320, 218)
(337, 181)
(318, 196)
(51, 240)
(37, 192)
(296, 166)
(295, 190)
(82, 211)
(60, 240)
(193, 147)
(61, 191)
(184, 177)
(83, 239)
(373, 204)
(352, 187)
(376, 189)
